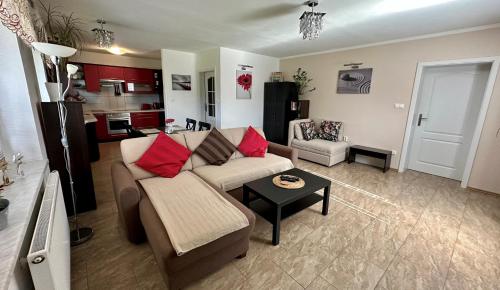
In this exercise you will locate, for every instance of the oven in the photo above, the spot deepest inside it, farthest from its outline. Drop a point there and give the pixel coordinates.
(118, 123)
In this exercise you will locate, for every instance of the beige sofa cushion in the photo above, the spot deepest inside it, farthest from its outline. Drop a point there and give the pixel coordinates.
(132, 150)
(193, 213)
(235, 172)
(320, 146)
(234, 135)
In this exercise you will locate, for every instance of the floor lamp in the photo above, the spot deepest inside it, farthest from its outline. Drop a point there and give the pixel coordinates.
(80, 234)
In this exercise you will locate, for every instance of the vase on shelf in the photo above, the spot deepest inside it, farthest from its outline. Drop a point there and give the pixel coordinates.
(304, 109)
(52, 90)
(4, 208)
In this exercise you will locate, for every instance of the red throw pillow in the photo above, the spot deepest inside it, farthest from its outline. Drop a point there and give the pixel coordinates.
(164, 157)
(253, 144)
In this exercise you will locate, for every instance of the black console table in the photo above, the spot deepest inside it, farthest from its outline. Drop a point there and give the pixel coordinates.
(372, 152)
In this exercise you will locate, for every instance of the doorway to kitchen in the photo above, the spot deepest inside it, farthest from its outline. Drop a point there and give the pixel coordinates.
(447, 112)
(209, 95)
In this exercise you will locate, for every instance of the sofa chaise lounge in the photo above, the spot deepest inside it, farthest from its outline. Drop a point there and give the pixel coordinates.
(141, 220)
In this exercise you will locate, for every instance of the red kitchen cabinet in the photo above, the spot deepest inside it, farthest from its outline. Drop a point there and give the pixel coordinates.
(91, 72)
(101, 127)
(142, 75)
(145, 120)
(111, 72)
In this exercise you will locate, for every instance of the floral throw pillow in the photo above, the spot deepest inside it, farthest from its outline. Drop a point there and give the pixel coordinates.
(308, 130)
(330, 130)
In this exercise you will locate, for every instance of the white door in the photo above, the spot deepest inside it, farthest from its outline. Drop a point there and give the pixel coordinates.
(210, 98)
(447, 110)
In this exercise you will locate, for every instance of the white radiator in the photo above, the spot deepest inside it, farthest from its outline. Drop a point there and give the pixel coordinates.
(49, 254)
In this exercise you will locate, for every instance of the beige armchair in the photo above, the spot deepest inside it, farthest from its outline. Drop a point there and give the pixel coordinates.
(320, 151)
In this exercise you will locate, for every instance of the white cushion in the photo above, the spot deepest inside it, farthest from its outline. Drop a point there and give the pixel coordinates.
(133, 149)
(298, 132)
(320, 146)
(235, 172)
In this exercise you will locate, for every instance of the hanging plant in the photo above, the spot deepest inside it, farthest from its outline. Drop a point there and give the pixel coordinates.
(302, 81)
(55, 27)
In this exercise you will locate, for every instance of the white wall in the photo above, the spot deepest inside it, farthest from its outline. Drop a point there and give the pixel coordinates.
(242, 112)
(230, 112)
(180, 104)
(19, 125)
(372, 119)
(117, 60)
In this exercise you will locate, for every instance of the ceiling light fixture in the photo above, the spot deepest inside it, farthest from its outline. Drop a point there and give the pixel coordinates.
(117, 50)
(393, 6)
(311, 23)
(104, 38)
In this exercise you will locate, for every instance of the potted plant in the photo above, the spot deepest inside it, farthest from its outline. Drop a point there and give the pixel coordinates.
(302, 82)
(55, 27)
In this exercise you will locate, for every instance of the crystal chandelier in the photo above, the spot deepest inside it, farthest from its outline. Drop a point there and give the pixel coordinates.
(104, 38)
(311, 23)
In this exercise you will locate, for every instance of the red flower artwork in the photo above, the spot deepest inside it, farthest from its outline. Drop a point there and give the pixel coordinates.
(245, 81)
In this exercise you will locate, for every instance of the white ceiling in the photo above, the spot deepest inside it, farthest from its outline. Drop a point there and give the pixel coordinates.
(270, 27)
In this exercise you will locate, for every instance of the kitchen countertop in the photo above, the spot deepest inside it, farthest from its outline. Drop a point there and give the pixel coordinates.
(23, 195)
(107, 111)
(89, 118)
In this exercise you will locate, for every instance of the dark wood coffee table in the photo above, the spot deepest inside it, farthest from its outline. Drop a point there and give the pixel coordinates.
(276, 204)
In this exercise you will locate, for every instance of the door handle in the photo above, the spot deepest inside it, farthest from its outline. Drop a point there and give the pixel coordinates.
(420, 118)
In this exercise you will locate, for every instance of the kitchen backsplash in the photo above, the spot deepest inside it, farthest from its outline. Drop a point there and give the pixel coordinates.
(107, 100)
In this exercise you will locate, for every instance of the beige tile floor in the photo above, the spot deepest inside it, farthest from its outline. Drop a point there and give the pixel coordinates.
(384, 231)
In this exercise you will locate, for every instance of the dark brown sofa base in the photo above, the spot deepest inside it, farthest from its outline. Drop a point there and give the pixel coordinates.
(179, 271)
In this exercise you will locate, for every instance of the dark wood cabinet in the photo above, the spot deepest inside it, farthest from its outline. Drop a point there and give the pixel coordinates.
(91, 74)
(111, 72)
(280, 107)
(145, 120)
(79, 152)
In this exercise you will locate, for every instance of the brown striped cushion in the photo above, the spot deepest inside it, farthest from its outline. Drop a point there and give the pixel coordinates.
(215, 149)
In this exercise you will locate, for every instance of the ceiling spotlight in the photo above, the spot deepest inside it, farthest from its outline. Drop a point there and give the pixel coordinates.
(104, 38)
(311, 23)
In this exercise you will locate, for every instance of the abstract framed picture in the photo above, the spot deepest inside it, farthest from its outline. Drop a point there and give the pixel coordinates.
(181, 82)
(243, 84)
(354, 81)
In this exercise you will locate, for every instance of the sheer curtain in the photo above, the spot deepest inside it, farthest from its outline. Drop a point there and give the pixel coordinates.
(16, 16)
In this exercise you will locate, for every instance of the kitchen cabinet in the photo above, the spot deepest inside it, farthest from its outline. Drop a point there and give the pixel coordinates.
(101, 127)
(138, 75)
(94, 154)
(111, 72)
(91, 75)
(138, 80)
(145, 120)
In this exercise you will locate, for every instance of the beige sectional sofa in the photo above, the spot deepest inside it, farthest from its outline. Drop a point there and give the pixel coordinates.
(140, 219)
(320, 151)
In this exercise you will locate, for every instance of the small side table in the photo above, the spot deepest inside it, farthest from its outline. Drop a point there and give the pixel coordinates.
(372, 152)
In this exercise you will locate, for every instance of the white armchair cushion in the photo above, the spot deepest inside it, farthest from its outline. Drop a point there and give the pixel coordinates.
(298, 132)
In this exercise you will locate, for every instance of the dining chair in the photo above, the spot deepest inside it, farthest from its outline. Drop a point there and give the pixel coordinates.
(204, 126)
(133, 133)
(190, 124)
